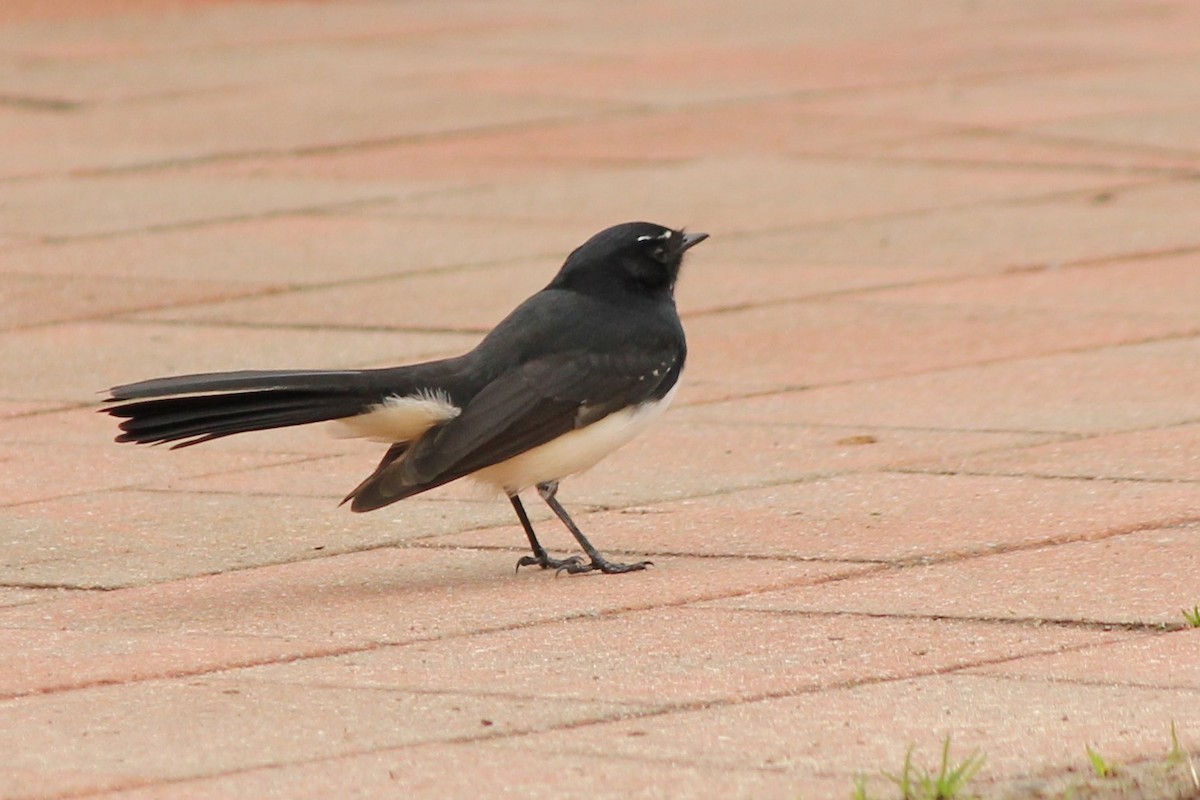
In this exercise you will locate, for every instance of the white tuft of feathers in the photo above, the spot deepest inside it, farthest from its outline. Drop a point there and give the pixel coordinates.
(399, 419)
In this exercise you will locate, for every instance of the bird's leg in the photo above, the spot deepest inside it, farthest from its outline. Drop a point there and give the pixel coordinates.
(540, 557)
(598, 562)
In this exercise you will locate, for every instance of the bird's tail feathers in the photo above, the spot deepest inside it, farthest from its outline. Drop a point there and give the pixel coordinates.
(191, 409)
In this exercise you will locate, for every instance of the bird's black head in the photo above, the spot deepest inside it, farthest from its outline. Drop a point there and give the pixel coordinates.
(636, 256)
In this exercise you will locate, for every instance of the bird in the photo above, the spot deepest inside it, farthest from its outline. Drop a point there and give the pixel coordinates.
(571, 374)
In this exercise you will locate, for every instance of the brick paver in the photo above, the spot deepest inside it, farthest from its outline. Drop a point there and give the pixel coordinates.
(932, 472)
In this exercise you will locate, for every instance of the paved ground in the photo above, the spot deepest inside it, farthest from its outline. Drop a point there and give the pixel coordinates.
(933, 473)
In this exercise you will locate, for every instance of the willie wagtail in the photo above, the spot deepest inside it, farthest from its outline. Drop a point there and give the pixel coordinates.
(573, 373)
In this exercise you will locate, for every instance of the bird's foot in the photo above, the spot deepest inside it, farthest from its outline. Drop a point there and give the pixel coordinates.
(544, 561)
(599, 564)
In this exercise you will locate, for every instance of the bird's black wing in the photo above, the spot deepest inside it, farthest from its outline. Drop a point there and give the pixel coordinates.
(522, 409)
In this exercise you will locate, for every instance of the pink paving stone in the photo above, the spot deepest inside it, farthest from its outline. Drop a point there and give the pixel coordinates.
(519, 177)
(39, 147)
(327, 476)
(873, 516)
(1015, 148)
(79, 206)
(182, 133)
(330, 477)
(1111, 389)
(441, 161)
(755, 350)
(48, 661)
(130, 537)
(126, 735)
(1024, 729)
(298, 250)
(74, 361)
(29, 299)
(650, 27)
(19, 597)
(17, 409)
(749, 193)
(1023, 100)
(178, 79)
(1173, 131)
(476, 297)
(673, 134)
(717, 283)
(472, 299)
(1144, 578)
(694, 73)
(1171, 660)
(1134, 31)
(45, 471)
(673, 460)
(392, 595)
(22, 12)
(505, 766)
(1162, 454)
(1145, 286)
(682, 458)
(206, 25)
(676, 459)
(283, 118)
(681, 656)
(9, 242)
(1119, 222)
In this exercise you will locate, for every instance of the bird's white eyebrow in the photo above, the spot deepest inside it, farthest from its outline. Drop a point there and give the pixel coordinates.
(648, 237)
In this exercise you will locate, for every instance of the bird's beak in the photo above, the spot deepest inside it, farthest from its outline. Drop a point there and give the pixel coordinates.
(690, 239)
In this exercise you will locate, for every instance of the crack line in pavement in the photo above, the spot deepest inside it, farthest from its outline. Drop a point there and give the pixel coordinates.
(35, 103)
(424, 544)
(334, 148)
(1020, 622)
(192, 224)
(1093, 683)
(1038, 475)
(284, 460)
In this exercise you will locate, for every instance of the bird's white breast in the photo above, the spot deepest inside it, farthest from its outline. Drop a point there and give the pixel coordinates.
(574, 451)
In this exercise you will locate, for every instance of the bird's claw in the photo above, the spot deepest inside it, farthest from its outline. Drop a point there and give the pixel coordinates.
(546, 562)
(602, 565)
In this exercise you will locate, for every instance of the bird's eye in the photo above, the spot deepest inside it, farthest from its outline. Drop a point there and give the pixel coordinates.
(660, 254)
